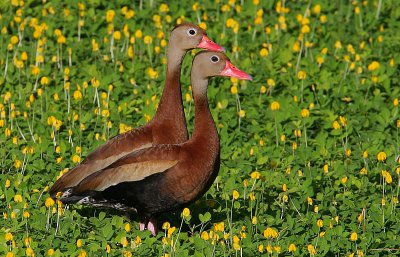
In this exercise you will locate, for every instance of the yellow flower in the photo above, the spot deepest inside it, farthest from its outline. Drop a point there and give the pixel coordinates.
(344, 180)
(29, 252)
(203, 25)
(373, 66)
(117, 35)
(316, 9)
(17, 164)
(305, 29)
(387, 176)
(77, 95)
(138, 33)
(353, 236)
(234, 90)
(50, 252)
(242, 113)
(305, 113)
(326, 168)
(219, 227)
(153, 74)
(110, 15)
(296, 47)
(82, 253)
(18, 198)
(309, 200)
(381, 156)
(8, 236)
(127, 227)
(61, 40)
(164, 8)
(254, 220)
(320, 223)
(8, 183)
(320, 60)
(14, 40)
(270, 233)
(108, 248)
(105, 113)
(269, 248)
(76, 158)
(204, 235)
(301, 75)
(292, 248)
(35, 70)
(336, 125)
(235, 194)
(186, 212)
(26, 214)
(39, 58)
(170, 231)
(363, 171)
(275, 106)
(271, 82)
(148, 40)
(137, 240)
(255, 175)
(44, 81)
(311, 249)
(24, 56)
(95, 46)
(263, 52)
(79, 243)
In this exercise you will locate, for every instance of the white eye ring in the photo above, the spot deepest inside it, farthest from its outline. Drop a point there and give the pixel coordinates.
(192, 32)
(214, 59)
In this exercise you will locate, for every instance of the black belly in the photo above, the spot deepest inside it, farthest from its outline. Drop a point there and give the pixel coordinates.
(145, 196)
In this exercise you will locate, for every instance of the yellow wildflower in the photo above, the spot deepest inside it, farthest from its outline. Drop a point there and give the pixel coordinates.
(110, 15)
(301, 75)
(381, 156)
(186, 212)
(311, 249)
(353, 236)
(292, 248)
(18, 198)
(275, 106)
(270, 233)
(373, 66)
(235, 194)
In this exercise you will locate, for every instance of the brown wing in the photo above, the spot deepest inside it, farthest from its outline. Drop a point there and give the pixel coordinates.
(133, 167)
(105, 155)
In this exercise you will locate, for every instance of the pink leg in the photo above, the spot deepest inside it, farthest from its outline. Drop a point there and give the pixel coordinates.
(152, 226)
(142, 226)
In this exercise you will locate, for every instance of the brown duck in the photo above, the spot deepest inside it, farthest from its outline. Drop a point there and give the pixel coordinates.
(168, 125)
(165, 177)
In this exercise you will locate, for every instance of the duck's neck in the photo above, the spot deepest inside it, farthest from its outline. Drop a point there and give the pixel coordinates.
(170, 109)
(204, 127)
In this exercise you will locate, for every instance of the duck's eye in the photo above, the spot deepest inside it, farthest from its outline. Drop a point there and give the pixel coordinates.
(214, 58)
(192, 32)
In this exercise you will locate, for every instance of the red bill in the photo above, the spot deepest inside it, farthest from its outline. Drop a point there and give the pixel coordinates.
(230, 70)
(207, 43)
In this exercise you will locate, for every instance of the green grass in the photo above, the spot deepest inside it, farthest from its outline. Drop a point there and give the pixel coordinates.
(309, 149)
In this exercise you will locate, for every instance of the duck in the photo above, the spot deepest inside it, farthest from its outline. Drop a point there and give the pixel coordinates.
(168, 126)
(165, 177)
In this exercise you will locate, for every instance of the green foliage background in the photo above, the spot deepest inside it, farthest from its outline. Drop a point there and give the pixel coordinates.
(309, 161)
